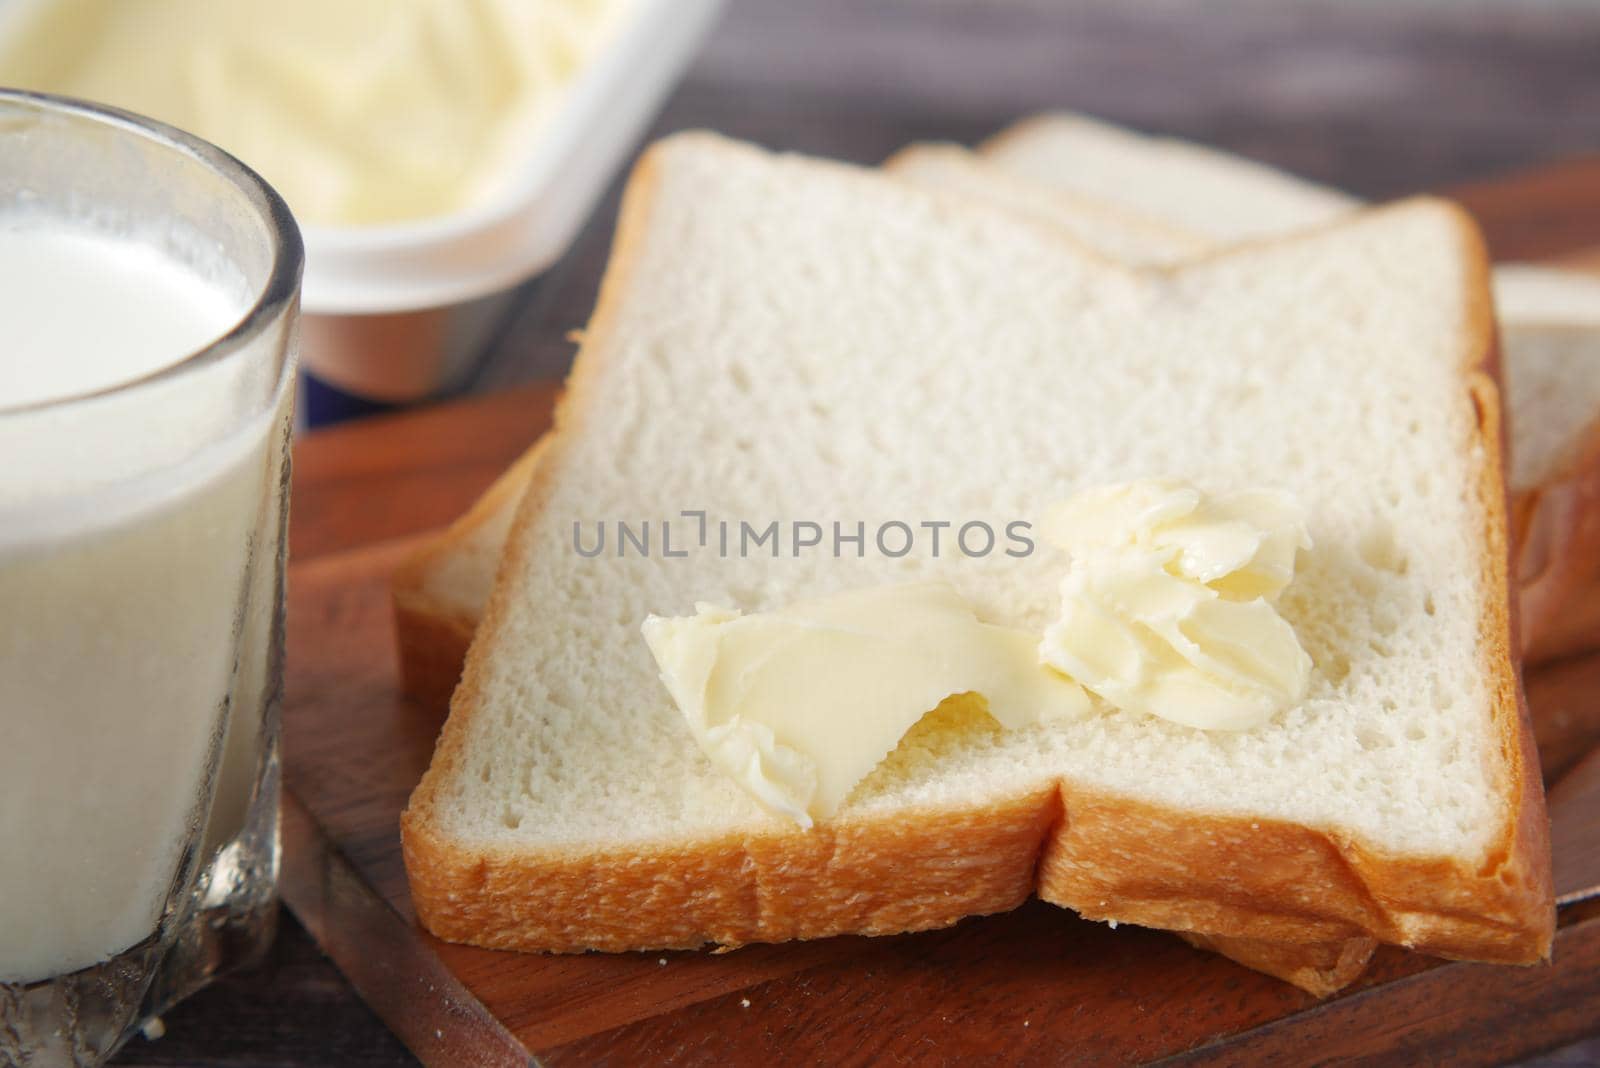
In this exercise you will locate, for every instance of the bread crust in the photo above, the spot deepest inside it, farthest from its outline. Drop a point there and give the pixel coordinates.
(432, 641)
(1557, 527)
(862, 876)
(432, 636)
(1320, 968)
(1021, 131)
(1106, 856)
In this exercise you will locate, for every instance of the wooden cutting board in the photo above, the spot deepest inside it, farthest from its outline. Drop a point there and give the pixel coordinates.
(1036, 986)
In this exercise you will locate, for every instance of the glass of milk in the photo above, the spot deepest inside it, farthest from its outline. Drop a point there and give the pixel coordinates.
(149, 289)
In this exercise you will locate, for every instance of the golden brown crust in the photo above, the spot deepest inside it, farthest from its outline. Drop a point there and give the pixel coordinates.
(1567, 726)
(1021, 130)
(433, 643)
(1108, 857)
(1128, 860)
(433, 636)
(1558, 557)
(865, 876)
(1320, 968)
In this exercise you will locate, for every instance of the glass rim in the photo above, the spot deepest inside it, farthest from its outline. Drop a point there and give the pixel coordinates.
(287, 252)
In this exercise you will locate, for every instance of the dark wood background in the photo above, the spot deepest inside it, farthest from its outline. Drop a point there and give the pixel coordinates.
(1379, 98)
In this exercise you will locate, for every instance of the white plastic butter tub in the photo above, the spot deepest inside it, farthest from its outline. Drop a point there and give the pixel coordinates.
(397, 312)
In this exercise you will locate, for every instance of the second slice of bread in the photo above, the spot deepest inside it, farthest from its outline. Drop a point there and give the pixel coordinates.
(787, 338)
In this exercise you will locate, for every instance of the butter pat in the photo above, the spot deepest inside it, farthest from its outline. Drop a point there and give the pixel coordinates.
(800, 704)
(1168, 607)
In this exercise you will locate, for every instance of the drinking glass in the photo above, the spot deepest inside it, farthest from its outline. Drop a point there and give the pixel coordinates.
(141, 603)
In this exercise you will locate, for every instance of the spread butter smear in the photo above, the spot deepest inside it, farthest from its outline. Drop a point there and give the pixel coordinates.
(1168, 609)
(799, 705)
(1169, 604)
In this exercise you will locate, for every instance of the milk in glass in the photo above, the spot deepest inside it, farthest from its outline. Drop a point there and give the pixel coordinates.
(119, 612)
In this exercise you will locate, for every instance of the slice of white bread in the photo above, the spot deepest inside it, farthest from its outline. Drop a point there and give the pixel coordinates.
(781, 337)
(1199, 190)
(1553, 388)
(1551, 321)
(441, 591)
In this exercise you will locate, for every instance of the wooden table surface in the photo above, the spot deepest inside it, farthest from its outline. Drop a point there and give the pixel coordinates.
(1381, 99)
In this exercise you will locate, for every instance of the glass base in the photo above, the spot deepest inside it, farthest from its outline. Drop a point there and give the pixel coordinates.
(78, 1019)
(238, 914)
(81, 1019)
